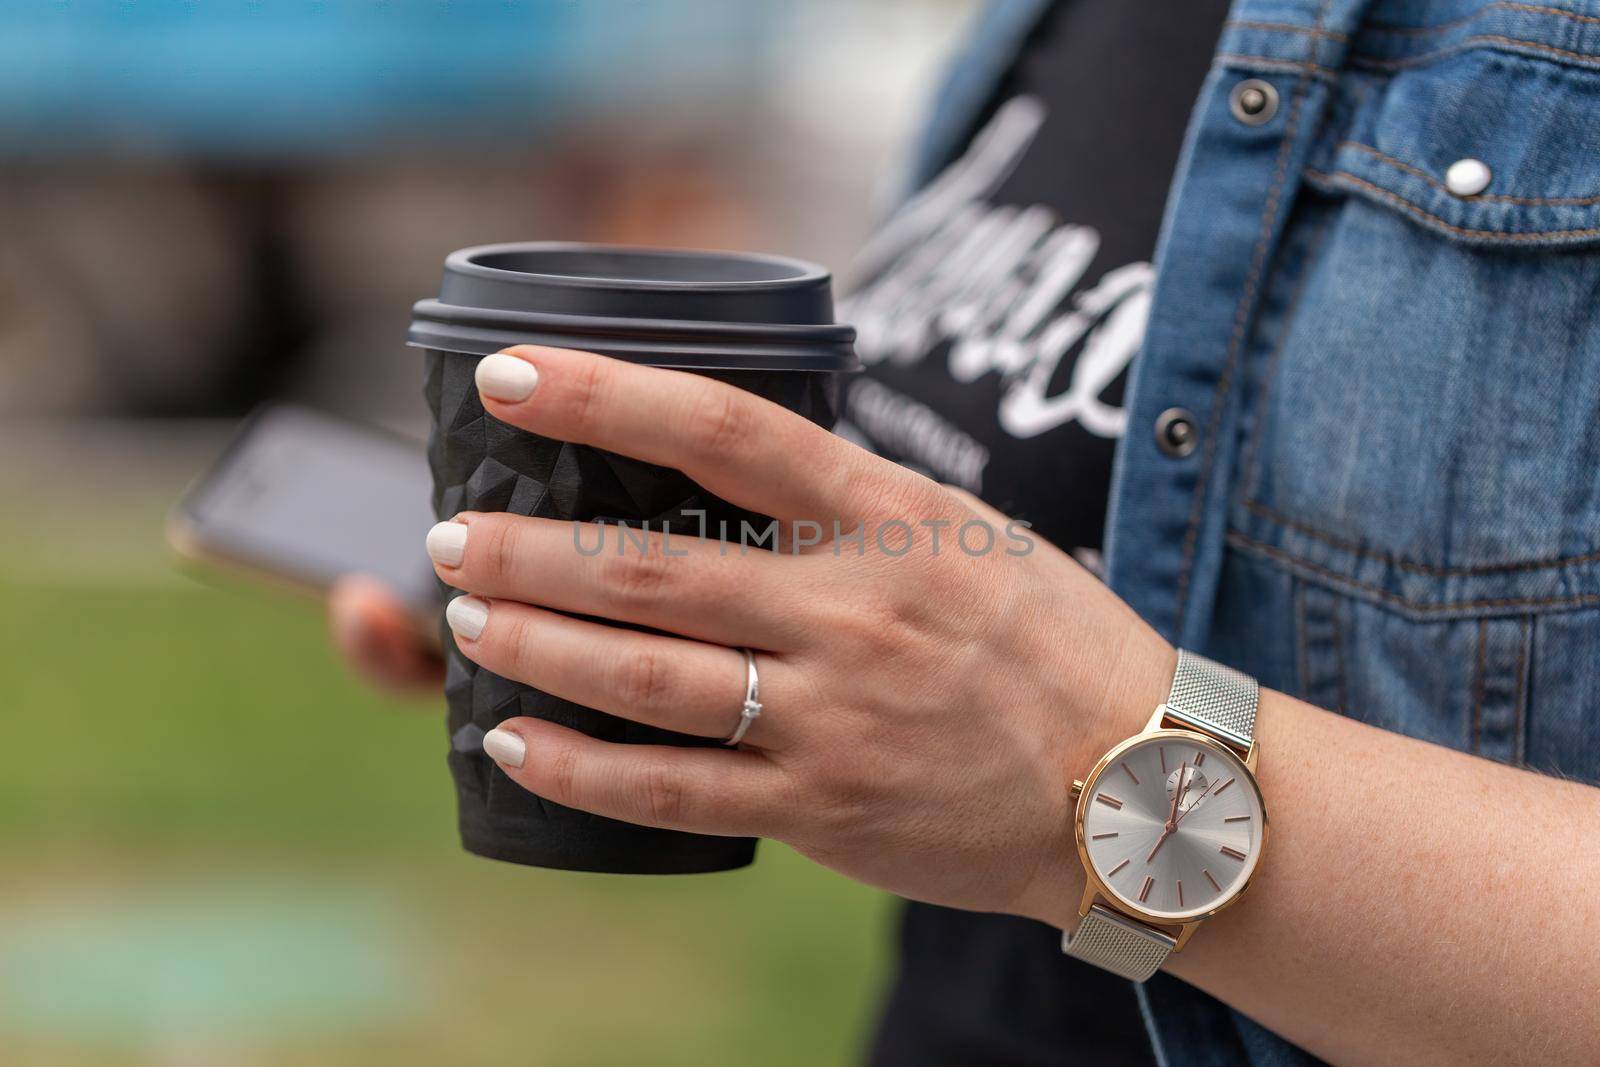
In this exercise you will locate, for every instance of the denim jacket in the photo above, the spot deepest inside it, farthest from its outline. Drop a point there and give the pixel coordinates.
(1389, 501)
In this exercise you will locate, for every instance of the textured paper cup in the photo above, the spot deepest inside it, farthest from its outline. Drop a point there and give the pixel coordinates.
(762, 323)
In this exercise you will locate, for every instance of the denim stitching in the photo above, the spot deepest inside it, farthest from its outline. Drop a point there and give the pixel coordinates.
(1501, 5)
(1400, 201)
(1423, 31)
(1250, 544)
(1430, 570)
(1543, 9)
(1477, 688)
(1436, 183)
(1241, 321)
(1519, 742)
(1302, 649)
(1338, 656)
(1301, 599)
(1466, 45)
(1299, 66)
(1284, 27)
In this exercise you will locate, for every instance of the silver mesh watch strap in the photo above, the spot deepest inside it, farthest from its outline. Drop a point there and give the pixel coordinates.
(1122, 946)
(1213, 699)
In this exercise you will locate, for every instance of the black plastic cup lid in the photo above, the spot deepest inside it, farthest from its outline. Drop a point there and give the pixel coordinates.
(669, 308)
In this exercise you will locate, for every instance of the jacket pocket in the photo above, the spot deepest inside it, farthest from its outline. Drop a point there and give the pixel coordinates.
(1519, 688)
(1425, 424)
(1532, 123)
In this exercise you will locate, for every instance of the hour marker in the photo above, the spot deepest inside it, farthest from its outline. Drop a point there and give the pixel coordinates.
(1098, 837)
(1108, 801)
(1233, 852)
(1212, 880)
(1236, 818)
(1162, 749)
(1180, 892)
(1199, 758)
(1144, 890)
(1221, 787)
(1129, 769)
(1117, 868)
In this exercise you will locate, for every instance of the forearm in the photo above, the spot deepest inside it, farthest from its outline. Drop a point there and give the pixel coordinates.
(1413, 905)
(926, 713)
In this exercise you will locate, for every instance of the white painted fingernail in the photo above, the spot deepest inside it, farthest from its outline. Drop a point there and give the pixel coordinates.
(447, 543)
(505, 747)
(467, 616)
(506, 378)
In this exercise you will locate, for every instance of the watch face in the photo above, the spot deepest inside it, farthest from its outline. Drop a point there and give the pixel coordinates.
(1173, 825)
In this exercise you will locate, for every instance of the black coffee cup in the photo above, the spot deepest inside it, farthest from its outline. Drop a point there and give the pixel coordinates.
(762, 323)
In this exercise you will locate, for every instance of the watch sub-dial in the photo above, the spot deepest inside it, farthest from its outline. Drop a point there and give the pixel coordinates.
(1194, 787)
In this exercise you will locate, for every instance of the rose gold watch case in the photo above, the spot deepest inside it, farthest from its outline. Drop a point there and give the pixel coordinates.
(1095, 888)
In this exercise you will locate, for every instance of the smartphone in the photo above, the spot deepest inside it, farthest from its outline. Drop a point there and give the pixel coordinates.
(299, 498)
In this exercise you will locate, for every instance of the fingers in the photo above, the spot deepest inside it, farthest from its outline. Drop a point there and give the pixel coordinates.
(742, 448)
(679, 584)
(374, 633)
(702, 790)
(686, 686)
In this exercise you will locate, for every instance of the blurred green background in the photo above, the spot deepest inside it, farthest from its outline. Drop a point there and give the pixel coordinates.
(218, 848)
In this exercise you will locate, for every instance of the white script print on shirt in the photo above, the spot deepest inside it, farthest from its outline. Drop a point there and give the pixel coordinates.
(1000, 284)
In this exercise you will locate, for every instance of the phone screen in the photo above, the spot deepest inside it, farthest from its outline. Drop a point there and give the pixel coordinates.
(308, 497)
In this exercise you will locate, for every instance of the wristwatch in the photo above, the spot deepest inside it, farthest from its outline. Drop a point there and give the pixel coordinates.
(1170, 823)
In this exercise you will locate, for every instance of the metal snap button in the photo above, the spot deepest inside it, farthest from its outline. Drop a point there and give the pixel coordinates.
(1468, 177)
(1176, 434)
(1253, 101)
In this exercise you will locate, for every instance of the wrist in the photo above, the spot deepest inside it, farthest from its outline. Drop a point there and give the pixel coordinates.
(1135, 684)
(1138, 683)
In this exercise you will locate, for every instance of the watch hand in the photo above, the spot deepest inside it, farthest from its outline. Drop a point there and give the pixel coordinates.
(1177, 794)
(1191, 807)
(1172, 816)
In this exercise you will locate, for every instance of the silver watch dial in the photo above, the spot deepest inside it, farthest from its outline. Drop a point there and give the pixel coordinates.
(1173, 826)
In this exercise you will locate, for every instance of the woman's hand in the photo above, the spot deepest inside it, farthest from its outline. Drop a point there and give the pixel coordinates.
(376, 635)
(925, 713)
(931, 687)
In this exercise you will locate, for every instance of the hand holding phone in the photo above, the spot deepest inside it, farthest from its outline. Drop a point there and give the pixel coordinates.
(308, 501)
(378, 637)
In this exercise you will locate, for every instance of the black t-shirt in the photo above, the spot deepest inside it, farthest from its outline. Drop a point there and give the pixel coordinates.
(998, 310)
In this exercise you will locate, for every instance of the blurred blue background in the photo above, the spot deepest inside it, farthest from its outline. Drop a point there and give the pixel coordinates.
(215, 847)
(261, 80)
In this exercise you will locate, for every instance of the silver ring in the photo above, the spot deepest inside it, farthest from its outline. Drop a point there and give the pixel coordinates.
(752, 703)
